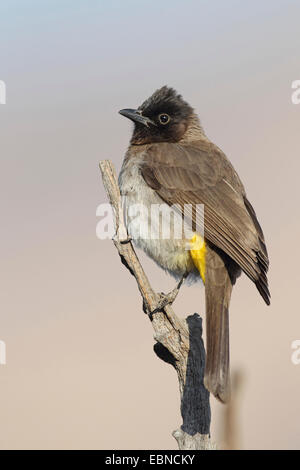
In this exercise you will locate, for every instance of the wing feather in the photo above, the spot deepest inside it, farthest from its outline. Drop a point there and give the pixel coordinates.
(201, 174)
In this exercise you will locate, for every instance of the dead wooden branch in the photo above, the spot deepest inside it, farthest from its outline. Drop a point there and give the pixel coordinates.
(178, 342)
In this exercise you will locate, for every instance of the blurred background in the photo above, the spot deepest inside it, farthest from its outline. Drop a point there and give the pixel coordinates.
(81, 372)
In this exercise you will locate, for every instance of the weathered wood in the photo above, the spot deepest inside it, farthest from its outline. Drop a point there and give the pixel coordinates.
(179, 342)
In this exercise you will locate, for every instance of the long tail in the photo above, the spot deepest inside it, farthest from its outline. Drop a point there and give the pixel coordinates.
(220, 276)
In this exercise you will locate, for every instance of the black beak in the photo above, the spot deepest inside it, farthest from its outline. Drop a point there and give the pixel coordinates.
(136, 116)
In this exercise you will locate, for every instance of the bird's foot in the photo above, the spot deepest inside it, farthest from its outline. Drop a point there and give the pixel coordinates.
(169, 299)
(122, 237)
(127, 240)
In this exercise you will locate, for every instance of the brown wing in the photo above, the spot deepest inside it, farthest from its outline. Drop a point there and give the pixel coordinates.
(201, 174)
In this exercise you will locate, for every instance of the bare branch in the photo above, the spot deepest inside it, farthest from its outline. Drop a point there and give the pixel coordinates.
(179, 342)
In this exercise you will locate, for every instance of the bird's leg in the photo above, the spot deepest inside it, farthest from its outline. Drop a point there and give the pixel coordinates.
(168, 299)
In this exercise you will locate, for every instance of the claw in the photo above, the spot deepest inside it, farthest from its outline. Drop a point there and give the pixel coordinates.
(120, 239)
(127, 240)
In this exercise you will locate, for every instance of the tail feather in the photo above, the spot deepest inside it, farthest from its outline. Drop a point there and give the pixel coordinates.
(220, 277)
(217, 373)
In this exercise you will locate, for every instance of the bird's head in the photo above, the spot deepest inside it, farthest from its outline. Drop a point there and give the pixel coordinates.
(164, 117)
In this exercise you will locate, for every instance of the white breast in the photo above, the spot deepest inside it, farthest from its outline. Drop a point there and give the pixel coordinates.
(141, 210)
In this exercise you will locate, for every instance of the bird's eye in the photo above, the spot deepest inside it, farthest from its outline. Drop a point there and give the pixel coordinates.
(164, 118)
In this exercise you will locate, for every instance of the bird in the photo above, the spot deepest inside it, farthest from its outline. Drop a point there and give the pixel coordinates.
(171, 162)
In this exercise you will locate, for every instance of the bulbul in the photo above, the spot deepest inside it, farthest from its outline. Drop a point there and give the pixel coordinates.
(171, 161)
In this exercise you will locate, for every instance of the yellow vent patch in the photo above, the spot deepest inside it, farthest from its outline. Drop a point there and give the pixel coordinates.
(198, 251)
